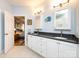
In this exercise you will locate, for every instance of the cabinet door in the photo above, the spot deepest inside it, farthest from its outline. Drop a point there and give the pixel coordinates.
(52, 48)
(36, 46)
(30, 41)
(33, 42)
(67, 50)
(44, 47)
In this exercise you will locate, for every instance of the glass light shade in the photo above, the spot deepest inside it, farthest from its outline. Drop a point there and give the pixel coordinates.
(57, 2)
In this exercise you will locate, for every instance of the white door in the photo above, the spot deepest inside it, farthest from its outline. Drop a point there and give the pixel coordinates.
(52, 48)
(9, 31)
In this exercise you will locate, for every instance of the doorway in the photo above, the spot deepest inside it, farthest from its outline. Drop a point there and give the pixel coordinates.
(19, 32)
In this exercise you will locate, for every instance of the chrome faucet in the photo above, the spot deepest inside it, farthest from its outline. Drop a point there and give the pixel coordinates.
(61, 32)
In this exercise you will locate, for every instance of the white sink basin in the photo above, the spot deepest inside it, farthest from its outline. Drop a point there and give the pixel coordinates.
(60, 37)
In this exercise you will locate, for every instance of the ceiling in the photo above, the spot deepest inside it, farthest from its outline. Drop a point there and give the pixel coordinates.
(30, 3)
(35, 5)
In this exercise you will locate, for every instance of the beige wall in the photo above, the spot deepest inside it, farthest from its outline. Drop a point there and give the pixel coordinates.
(37, 22)
(77, 18)
(51, 12)
(75, 5)
(4, 5)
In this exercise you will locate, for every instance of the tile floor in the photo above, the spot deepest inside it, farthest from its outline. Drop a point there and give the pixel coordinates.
(20, 52)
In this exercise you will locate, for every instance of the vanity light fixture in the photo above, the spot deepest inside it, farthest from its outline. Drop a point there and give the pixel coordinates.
(38, 13)
(60, 3)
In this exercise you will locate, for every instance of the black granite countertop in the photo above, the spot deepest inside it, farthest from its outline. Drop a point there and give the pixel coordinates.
(69, 37)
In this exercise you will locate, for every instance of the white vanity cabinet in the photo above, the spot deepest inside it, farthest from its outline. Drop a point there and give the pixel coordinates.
(61, 49)
(52, 48)
(44, 47)
(37, 44)
(67, 50)
(34, 42)
(30, 39)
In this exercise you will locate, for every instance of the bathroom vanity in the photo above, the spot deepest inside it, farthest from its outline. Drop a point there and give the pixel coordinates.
(53, 46)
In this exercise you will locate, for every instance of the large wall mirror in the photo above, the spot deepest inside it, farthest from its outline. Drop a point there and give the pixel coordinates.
(63, 20)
